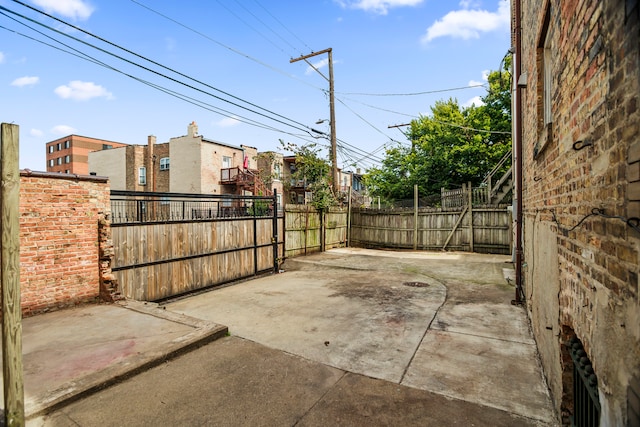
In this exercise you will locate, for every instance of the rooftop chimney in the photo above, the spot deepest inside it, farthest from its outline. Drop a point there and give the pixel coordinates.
(192, 130)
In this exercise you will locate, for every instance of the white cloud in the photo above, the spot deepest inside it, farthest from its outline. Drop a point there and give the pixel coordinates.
(25, 81)
(469, 23)
(82, 91)
(228, 122)
(485, 79)
(75, 9)
(317, 65)
(36, 132)
(380, 7)
(476, 100)
(63, 130)
(1, 57)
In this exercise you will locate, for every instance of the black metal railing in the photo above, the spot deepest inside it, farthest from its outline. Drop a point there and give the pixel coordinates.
(586, 404)
(143, 207)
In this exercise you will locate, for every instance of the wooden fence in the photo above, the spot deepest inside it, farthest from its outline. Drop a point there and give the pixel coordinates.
(485, 230)
(307, 230)
(156, 258)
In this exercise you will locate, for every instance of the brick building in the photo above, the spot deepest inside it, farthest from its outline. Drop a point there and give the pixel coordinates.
(578, 78)
(70, 154)
(65, 241)
(186, 164)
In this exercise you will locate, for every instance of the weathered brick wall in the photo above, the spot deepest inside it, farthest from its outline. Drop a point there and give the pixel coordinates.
(65, 241)
(595, 91)
(163, 178)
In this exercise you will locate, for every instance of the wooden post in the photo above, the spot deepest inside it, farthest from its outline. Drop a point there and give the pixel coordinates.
(274, 232)
(349, 220)
(415, 217)
(470, 201)
(10, 277)
(322, 230)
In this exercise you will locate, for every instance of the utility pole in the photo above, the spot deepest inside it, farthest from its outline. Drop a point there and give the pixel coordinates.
(12, 372)
(332, 116)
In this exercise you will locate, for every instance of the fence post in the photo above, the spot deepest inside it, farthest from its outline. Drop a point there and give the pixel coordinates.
(274, 232)
(255, 207)
(470, 201)
(349, 220)
(10, 277)
(415, 217)
(322, 230)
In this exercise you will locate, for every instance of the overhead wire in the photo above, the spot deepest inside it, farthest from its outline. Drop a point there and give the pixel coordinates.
(303, 128)
(282, 25)
(415, 93)
(313, 67)
(77, 53)
(265, 25)
(236, 51)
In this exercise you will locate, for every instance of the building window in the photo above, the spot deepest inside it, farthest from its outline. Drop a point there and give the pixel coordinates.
(277, 171)
(67, 144)
(67, 159)
(164, 164)
(66, 171)
(52, 162)
(142, 176)
(58, 146)
(107, 146)
(51, 148)
(545, 83)
(59, 160)
(226, 162)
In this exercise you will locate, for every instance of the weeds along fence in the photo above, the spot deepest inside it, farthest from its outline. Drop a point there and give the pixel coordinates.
(167, 244)
(308, 230)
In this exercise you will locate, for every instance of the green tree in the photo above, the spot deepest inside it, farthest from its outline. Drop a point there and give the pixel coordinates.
(314, 171)
(452, 146)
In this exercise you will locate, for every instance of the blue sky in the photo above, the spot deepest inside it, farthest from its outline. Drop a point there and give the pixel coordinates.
(386, 54)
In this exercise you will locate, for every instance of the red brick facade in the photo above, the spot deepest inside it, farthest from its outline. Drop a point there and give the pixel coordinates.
(70, 154)
(65, 241)
(581, 182)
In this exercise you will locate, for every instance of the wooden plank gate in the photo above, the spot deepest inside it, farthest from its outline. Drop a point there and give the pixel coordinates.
(168, 244)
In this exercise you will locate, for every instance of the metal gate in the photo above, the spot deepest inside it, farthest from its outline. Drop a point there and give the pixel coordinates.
(168, 244)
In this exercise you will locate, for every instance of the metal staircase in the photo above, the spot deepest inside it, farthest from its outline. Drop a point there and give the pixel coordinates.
(497, 191)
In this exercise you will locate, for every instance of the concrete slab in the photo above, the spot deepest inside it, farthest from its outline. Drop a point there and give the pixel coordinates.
(360, 401)
(493, 372)
(69, 353)
(368, 322)
(233, 382)
(499, 321)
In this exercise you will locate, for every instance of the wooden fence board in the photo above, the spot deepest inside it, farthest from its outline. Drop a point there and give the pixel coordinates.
(389, 229)
(153, 261)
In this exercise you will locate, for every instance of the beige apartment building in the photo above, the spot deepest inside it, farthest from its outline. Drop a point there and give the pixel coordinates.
(186, 164)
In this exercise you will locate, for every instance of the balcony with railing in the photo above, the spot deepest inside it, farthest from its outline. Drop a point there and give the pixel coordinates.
(244, 180)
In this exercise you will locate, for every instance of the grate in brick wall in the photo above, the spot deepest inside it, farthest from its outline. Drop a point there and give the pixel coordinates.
(586, 404)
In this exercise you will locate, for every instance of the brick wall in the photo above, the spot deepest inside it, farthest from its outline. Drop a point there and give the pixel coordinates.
(162, 178)
(595, 90)
(65, 241)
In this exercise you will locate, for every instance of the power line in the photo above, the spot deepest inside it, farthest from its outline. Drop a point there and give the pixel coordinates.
(250, 26)
(305, 127)
(236, 51)
(414, 93)
(248, 57)
(282, 25)
(170, 92)
(265, 25)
